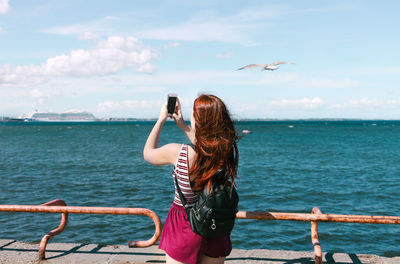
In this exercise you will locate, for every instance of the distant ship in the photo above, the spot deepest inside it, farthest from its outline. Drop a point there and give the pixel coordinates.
(246, 131)
(63, 117)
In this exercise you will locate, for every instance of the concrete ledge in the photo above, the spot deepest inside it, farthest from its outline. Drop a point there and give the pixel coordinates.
(14, 252)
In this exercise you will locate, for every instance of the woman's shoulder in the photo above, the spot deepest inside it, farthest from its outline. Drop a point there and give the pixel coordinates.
(178, 148)
(174, 147)
(163, 155)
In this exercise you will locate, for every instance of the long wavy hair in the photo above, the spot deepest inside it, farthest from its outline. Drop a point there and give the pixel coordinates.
(215, 142)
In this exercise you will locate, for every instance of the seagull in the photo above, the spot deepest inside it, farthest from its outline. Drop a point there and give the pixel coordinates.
(270, 67)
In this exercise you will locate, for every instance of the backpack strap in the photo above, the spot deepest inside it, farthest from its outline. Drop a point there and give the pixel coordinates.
(183, 200)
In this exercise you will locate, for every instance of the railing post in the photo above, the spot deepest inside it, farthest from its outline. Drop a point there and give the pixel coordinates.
(314, 238)
(157, 232)
(52, 233)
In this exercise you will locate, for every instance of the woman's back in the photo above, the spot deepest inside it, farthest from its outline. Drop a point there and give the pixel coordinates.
(181, 173)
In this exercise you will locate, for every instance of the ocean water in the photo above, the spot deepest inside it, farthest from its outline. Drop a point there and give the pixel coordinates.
(346, 167)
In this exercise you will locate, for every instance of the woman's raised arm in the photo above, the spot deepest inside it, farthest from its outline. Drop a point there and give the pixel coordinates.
(166, 154)
(180, 122)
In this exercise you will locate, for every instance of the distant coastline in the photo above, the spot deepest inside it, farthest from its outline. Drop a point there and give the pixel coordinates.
(87, 117)
(113, 120)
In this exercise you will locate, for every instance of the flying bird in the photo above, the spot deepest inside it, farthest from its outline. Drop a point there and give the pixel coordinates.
(270, 67)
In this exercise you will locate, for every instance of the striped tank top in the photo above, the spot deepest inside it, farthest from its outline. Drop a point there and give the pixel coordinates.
(181, 172)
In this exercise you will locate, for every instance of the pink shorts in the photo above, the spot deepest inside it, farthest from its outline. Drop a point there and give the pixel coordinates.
(182, 244)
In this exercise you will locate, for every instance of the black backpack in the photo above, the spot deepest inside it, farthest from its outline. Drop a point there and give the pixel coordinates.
(214, 213)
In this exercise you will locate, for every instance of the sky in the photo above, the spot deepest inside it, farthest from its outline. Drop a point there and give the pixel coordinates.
(122, 58)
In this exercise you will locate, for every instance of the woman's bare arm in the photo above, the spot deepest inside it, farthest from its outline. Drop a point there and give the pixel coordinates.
(160, 155)
(180, 122)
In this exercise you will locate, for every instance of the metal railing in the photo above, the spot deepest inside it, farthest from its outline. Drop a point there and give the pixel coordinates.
(315, 217)
(59, 206)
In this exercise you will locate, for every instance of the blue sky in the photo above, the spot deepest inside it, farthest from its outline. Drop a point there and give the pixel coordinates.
(122, 58)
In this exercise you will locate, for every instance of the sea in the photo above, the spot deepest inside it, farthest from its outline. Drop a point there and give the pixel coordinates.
(342, 167)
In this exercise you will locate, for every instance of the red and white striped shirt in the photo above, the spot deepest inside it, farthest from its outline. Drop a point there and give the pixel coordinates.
(181, 172)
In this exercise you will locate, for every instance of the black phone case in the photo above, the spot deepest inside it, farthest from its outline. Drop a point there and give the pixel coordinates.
(171, 105)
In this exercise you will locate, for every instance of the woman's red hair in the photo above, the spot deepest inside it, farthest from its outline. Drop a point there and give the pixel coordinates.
(215, 141)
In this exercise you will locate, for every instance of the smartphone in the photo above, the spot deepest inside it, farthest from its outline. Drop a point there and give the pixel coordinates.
(171, 103)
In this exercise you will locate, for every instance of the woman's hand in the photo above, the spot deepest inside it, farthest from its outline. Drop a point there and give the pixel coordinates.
(178, 117)
(180, 122)
(163, 113)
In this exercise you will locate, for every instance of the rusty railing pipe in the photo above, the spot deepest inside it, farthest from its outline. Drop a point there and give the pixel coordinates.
(92, 210)
(368, 219)
(54, 232)
(314, 238)
(315, 217)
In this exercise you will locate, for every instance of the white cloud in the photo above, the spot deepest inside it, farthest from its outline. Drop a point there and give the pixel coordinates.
(241, 27)
(31, 94)
(108, 56)
(393, 102)
(376, 70)
(364, 102)
(35, 93)
(260, 13)
(248, 107)
(202, 27)
(148, 89)
(304, 103)
(338, 106)
(213, 78)
(203, 30)
(227, 55)
(172, 44)
(366, 108)
(4, 6)
(328, 83)
(103, 27)
(375, 103)
(147, 67)
(89, 36)
(141, 104)
(105, 106)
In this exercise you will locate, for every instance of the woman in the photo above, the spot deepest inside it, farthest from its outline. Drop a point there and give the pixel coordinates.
(214, 138)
